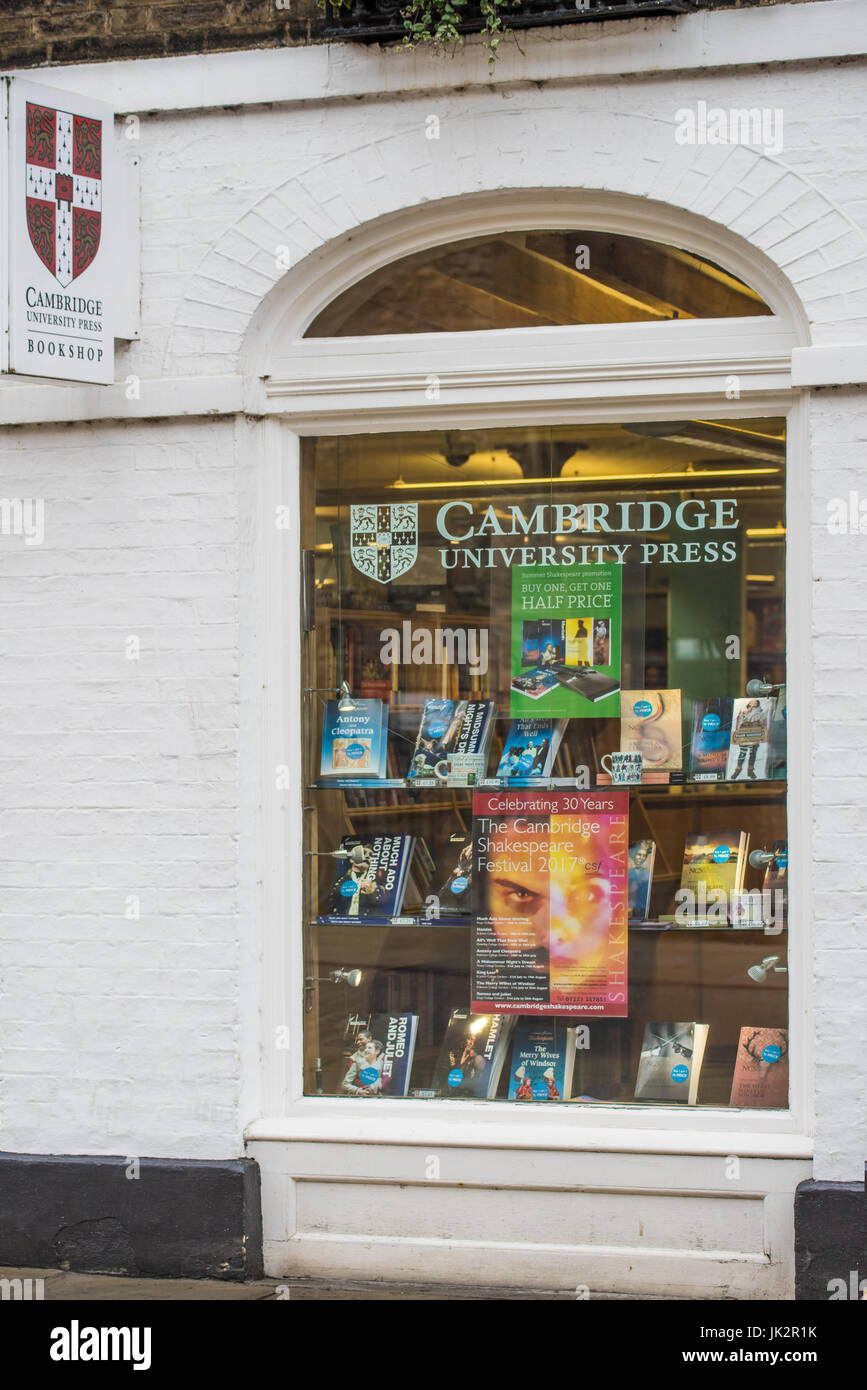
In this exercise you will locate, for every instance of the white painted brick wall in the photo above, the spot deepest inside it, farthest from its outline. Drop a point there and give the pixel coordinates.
(119, 778)
(122, 778)
(220, 192)
(839, 447)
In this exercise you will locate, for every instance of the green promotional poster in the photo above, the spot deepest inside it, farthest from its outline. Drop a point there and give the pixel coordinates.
(566, 641)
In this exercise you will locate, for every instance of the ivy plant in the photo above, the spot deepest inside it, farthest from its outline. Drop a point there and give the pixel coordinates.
(435, 22)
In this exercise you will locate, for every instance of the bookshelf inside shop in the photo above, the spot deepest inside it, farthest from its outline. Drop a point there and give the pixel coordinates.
(544, 719)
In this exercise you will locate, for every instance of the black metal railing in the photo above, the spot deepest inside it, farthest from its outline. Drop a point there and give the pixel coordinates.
(369, 20)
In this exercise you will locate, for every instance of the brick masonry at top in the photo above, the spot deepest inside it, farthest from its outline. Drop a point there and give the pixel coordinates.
(36, 32)
(86, 31)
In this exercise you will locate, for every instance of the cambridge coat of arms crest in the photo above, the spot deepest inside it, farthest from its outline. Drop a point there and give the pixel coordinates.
(64, 189)
(384, 539)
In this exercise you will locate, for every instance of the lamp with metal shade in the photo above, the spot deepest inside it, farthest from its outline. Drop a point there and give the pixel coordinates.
(760, 690)
(763, 858)
(767, 967)
(345, 704)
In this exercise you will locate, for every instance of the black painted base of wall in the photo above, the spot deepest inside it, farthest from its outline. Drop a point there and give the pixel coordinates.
(178, 1218)
(830, 1240)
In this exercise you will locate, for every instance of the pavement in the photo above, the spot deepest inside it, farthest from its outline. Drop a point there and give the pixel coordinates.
(65, 1285)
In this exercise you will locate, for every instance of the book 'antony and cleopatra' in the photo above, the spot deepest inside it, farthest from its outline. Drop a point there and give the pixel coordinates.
(371, 877)
(549, 933)
(670, 1062)
(711, 736)
(543, 1059)
(472, 1055)
(650, 725)
(354, 742)
(762, 1069)
(530, 748)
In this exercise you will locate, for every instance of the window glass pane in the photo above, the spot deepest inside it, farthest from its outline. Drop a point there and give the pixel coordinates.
(513, 617)
(536, 280)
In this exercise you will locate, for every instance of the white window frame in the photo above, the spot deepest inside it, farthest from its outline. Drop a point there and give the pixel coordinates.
(582, 375)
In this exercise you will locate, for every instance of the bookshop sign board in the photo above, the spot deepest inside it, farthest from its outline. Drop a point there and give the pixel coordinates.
(62, 273)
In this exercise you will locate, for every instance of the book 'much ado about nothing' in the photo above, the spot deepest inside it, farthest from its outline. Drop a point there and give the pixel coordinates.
(371, 877)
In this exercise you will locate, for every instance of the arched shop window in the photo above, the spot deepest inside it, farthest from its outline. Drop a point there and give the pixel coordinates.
(535, 280)
(545, 711)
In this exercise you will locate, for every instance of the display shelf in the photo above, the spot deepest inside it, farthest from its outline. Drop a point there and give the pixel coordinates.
(488, 784)
(716, 790)
(411, 807)
(713, 791)
(412, 921)
(367, 784)
(755, 929)
(374, 615)
(416, 923)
